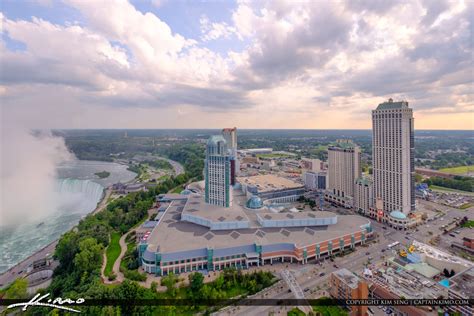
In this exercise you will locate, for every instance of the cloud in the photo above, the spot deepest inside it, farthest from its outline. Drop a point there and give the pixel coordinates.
(328, 56)
(213, 31)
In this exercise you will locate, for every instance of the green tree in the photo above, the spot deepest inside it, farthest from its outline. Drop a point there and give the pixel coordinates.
(18, 289)
(89, 256)
(67, 248)
(169, 281)
(196, 280)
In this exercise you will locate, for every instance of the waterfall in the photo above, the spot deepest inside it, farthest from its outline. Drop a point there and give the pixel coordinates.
(89, 188)
(79, 196)
(76, 198)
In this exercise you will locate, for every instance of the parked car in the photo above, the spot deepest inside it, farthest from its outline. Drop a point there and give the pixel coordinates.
(322, 274)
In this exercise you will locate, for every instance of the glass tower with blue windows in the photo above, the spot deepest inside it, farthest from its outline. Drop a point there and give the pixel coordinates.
(217, 172)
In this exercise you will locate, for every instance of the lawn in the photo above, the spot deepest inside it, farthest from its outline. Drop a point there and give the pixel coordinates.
(459, 170)
(330, 310)
(466, 206)
(112, 252)
(449, 190)
(469, 224)
(295, 312)
(178, 189)
(273, 155)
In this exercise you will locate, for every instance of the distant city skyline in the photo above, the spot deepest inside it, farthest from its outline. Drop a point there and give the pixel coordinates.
(272, 65)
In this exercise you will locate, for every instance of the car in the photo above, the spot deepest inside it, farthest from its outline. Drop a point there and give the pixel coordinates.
(452, 235)
(383, 250)
(406, 237)
(306, 290)
(457, 231)
(367, 253)
(384, 227)
(335, 266)
(322, 274)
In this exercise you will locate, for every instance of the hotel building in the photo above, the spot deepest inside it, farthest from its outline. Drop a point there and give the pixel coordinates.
(363, 195)
(343, 170)
(315, 180)
(230, 136)
(393, 156)
(217, 172)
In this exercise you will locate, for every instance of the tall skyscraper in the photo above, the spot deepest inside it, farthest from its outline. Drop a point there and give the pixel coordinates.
(393, 147)
(230, 136)
(217, 171)
(343, 170)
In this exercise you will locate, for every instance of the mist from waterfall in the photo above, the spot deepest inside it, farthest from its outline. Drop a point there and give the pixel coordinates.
(77, 191)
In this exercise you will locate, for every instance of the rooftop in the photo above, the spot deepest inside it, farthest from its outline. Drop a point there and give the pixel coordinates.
(296, 215)
(198, 207)
(364, 180)
(348, 277)
(463, 283)
(398, 215)
(342, 144)
(269, 182)
(390, 105)
(174, 235)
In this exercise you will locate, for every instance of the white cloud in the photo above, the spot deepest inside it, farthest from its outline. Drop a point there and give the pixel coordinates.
(213, 31)
(310, 57)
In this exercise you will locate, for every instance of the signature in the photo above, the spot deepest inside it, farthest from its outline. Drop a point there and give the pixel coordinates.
(56, 303)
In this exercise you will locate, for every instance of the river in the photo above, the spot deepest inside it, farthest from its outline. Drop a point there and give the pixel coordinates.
(80, 190)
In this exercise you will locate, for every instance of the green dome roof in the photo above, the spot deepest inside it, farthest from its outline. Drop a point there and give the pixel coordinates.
(398, 215)
(254, 202)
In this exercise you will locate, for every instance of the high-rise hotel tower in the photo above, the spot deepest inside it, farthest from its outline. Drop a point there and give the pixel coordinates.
(230, 136)
(343, 170)
(393, 146)
(217, 172)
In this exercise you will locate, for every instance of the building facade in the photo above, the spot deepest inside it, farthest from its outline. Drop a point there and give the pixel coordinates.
(363, 195)
(343, 170)
(230, 136)
(315, 180)
(217, 172)
(346, 285)
(393, 156)
(314, 165)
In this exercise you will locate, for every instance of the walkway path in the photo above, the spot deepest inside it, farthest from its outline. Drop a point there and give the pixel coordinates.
(116, 268)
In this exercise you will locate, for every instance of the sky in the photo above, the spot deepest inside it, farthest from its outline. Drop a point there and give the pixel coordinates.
(250, 64)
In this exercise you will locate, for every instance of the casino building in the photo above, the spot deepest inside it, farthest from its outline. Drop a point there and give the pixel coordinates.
(239, 226)
(192, 235)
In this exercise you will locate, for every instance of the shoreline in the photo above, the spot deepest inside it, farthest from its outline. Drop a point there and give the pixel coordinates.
(18, 270)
